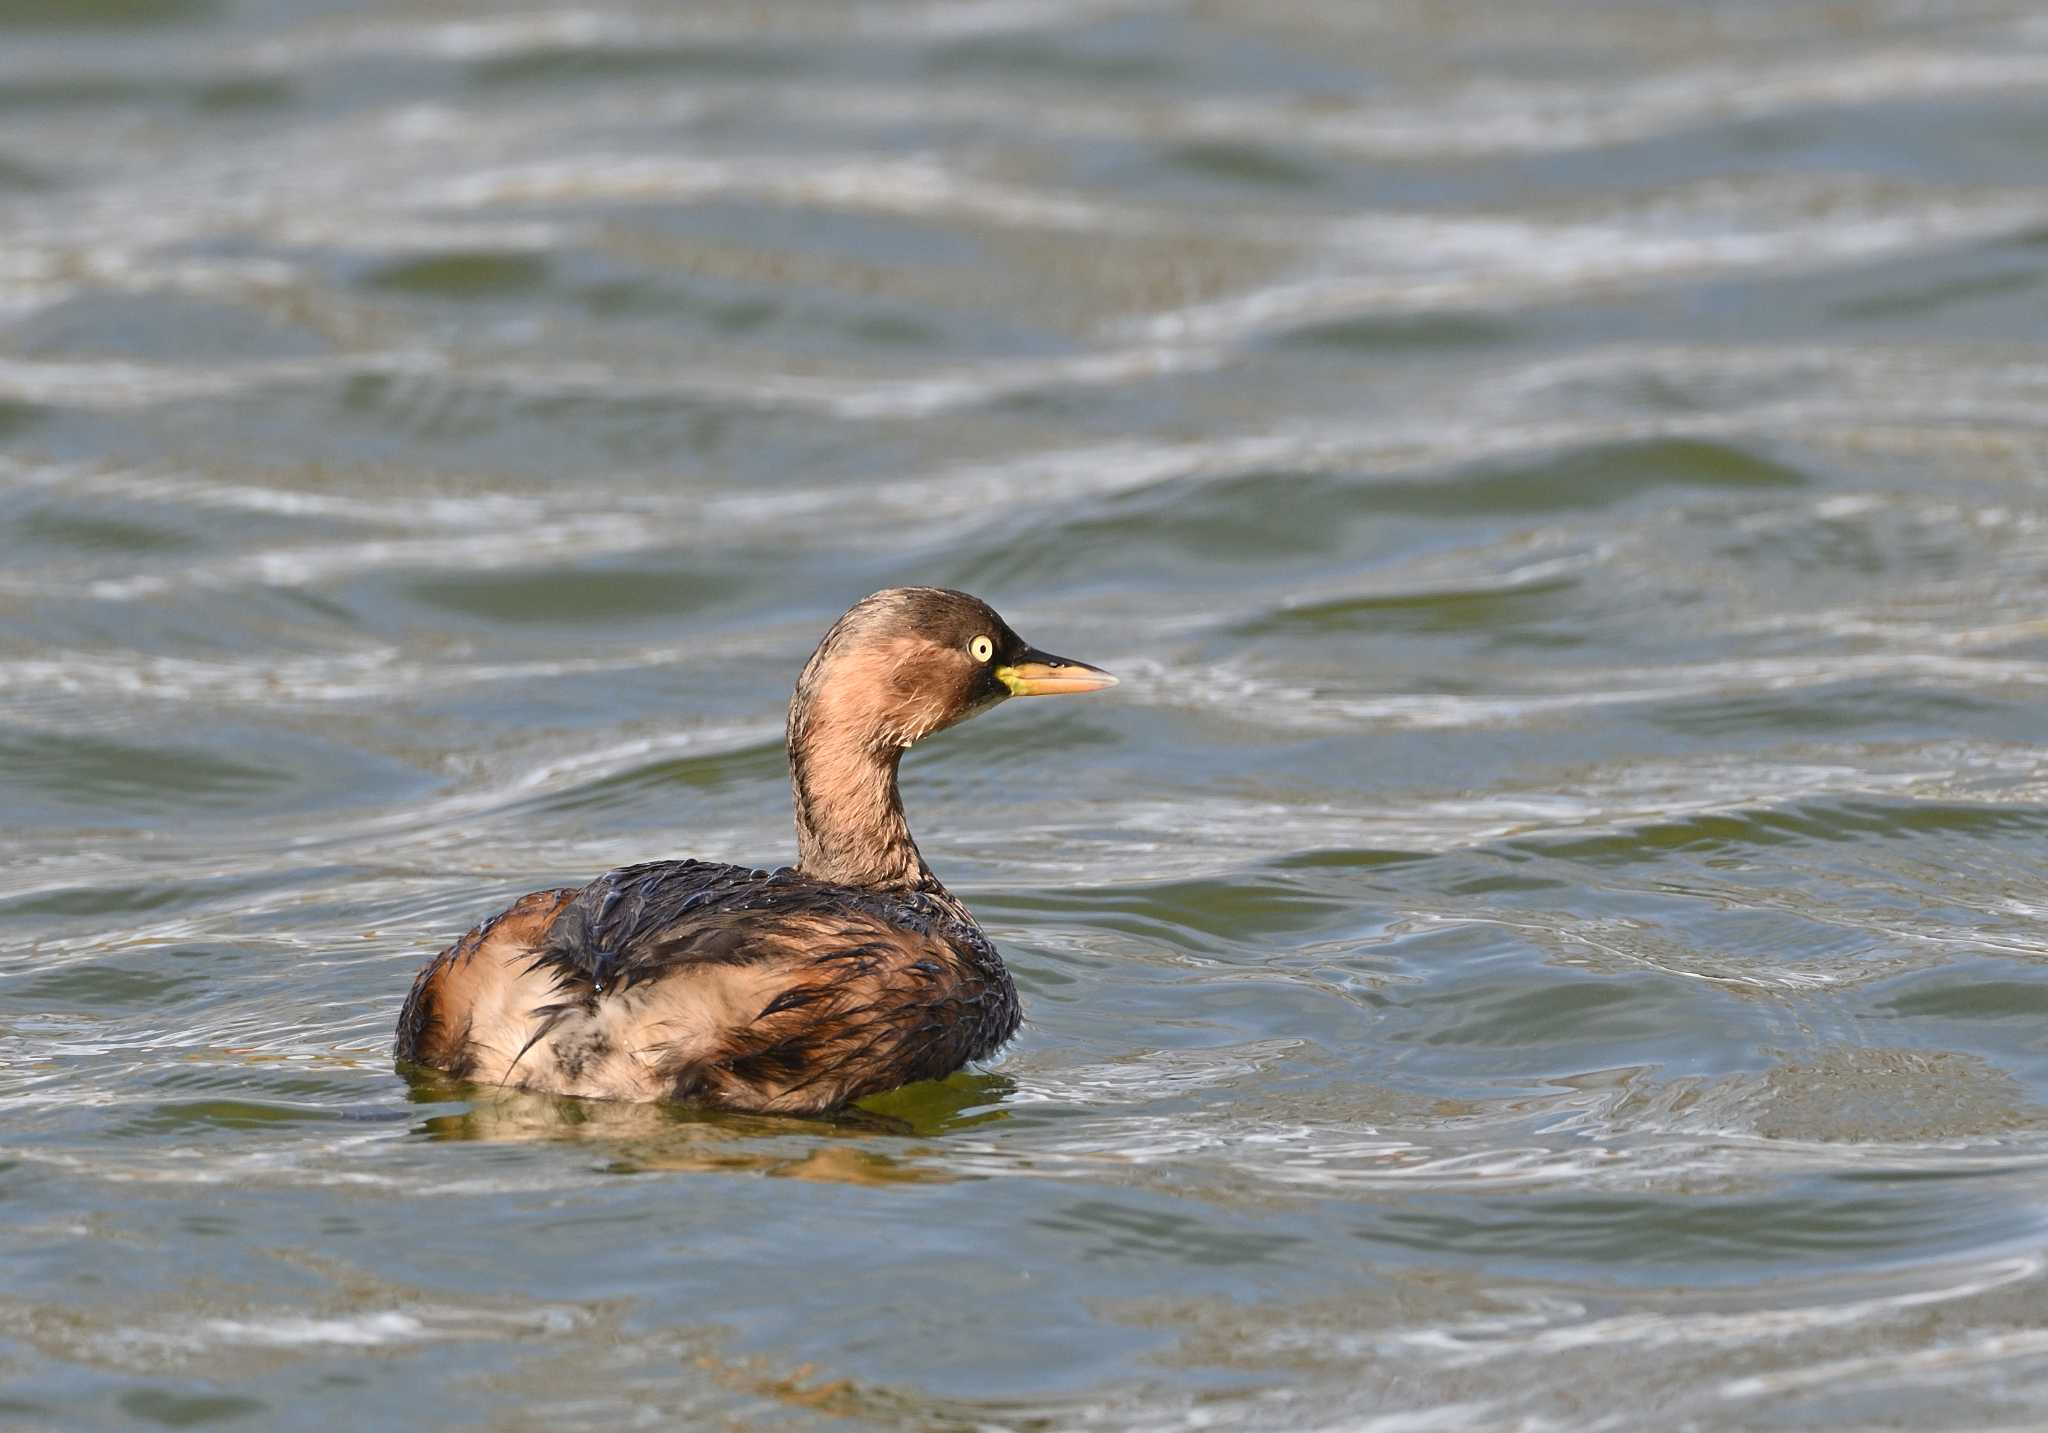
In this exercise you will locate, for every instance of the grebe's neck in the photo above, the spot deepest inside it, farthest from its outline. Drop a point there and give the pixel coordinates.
(850, 827)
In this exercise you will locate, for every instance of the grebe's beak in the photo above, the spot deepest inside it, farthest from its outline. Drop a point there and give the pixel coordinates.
(1038, 674)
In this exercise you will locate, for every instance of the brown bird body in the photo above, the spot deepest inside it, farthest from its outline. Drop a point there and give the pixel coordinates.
(792, 991)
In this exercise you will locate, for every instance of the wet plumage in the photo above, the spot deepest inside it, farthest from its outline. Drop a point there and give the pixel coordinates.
(794, 990)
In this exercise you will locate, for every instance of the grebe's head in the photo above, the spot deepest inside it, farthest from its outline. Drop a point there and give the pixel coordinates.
(910, 661)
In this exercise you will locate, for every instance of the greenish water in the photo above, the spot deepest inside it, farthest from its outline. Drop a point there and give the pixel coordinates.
(1548, 935)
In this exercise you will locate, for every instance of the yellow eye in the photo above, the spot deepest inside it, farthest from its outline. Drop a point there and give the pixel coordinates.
(982, 649)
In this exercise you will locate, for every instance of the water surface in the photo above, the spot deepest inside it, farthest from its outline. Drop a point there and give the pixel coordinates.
(1548, 935)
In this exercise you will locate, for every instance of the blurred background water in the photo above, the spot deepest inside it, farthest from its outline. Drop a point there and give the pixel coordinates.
(1548, 935)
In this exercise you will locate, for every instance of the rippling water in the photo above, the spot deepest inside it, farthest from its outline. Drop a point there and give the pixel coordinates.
(1548, 935)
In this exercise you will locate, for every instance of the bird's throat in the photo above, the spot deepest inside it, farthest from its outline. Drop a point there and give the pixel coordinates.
(850, 826)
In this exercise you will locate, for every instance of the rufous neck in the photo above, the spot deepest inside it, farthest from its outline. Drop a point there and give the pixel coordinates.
(850, 827)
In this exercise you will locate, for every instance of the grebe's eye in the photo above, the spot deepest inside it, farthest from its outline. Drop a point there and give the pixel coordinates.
(982, 649)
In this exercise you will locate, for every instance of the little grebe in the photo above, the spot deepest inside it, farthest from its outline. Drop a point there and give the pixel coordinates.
(793, 991)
